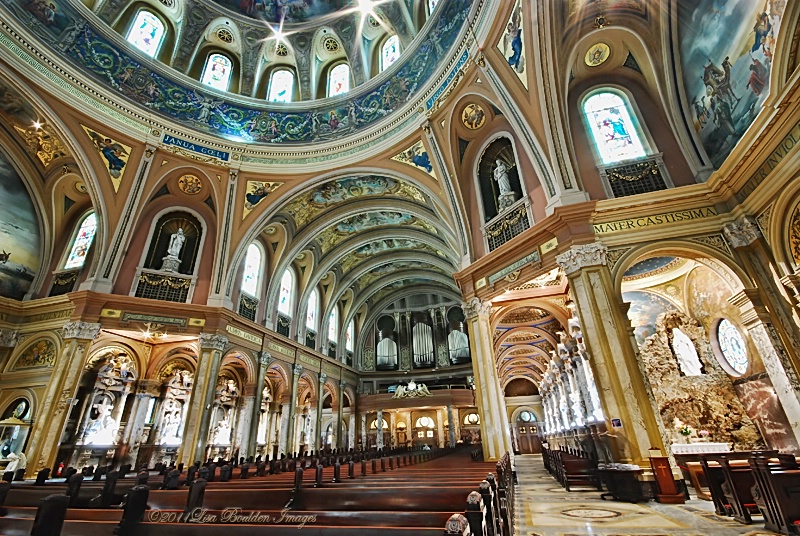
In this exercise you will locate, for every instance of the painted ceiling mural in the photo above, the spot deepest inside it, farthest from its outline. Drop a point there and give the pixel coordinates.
(337, 233)
(386, 245)
(309, 206)
(61, 27)
(290, 11)
(19, 234)
(726, 56)
(390, 267)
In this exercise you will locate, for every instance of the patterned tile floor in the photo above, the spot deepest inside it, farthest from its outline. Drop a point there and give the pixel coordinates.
(544, 508)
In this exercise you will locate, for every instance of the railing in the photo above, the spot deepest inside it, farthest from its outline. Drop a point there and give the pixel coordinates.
(510, 223)
(248, 306)
(635, 177)
(157, 285)
(64, 282)
(283, 324)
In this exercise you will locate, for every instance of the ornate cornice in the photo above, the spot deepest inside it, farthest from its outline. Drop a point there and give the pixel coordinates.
(582, 256)
(80, 330)
(213, 341)
(742, 232)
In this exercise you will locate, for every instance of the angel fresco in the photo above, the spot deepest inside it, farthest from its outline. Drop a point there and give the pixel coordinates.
(114, 153)
(514, 40)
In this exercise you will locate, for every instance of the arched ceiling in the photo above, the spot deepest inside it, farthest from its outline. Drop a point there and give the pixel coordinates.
(523, 341)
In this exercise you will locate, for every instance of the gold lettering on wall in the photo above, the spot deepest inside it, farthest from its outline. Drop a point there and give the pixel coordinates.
(656, 220)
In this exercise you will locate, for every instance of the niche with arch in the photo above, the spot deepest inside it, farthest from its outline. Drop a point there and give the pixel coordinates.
(175, 223)
(499, 188)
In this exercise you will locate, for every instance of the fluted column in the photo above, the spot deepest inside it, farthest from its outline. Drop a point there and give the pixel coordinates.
(339, 411)
(624, 392)
(60, 393)
(318, 418)
(489, 396)
(255, 413)
(198, 417)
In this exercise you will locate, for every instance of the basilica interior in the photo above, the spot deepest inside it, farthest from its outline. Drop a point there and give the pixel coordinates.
(264, 227)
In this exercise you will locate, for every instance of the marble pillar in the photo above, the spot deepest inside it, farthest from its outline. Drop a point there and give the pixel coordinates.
(451, 427)
(379, 430)
(287, 434)
(340, 440)
(283, 429)
(256, 415)
(318, 426)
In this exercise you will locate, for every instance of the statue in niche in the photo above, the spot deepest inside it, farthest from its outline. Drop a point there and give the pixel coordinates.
(686, 353)
(222, 433)
(507, 195)
(103, 429)
(172, 261)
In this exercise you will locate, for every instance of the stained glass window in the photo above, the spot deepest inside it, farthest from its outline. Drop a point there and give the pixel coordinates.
(82, 243)
(285, 294)
(348, 337)
(281, 86)
(390, 52)
(339, 80)
(146, 33)
(614, 132)
(252, 269)
(432, 5)
(333, 326)
(217, 73)
(311, 312)
(732, 346)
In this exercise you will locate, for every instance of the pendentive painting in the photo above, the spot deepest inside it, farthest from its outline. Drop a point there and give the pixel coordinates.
(19, 234)
(726, 53)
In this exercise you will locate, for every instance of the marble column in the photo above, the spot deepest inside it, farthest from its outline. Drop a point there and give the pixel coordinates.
(364, 438)
(392, 429)
(451, 427)
(242, 438)
(146, 390)
(339, 410)
(287, 434)
(440, 427)
(318, 425)
(625, 394)
(283, 429)
(198, 418)
(379, 430)
(51, 417)
(255, 415)
(351, 431)
(489, 396)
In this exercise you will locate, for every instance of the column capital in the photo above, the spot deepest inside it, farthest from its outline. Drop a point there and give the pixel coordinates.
(297, 369)
(213, 341)
(742, 232)
(322, 377)
(582, 256)
(264, 357)
(476, 307)
(80, 330)
(342, 384)
(8, 338)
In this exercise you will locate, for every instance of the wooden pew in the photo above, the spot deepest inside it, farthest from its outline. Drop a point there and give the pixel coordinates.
(777, 492)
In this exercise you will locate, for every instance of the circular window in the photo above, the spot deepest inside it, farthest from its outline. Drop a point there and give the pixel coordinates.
(330, 44)
(525, 416)
(425, 422)
(282, 50)
(225, 35)
(731, 348)
(472, 419)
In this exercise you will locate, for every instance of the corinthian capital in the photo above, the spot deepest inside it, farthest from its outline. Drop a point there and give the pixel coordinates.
(583, 256)
(322, 377)
(213, 341)
(297, 369)
(742, 232)
(264, 357)
(476, 307)
(8, 338)
(80, 330)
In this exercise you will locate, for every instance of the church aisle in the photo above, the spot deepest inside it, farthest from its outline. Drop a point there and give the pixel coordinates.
(544, 508)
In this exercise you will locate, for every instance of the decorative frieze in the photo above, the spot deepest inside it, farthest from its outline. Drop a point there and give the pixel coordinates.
(80, 330)
(583, 256)
(213, 341)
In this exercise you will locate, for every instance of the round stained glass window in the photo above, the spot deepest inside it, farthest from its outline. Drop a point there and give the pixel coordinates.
(732, 347)
(525, 416)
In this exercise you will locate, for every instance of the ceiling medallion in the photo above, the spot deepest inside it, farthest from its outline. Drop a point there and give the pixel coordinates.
(225, 35)
(331, 44)
(190, 185)
(281, 50)
(473, 116)
(597, 54)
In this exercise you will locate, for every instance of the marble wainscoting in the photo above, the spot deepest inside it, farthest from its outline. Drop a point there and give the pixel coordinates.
(544, 508)
(761, 403)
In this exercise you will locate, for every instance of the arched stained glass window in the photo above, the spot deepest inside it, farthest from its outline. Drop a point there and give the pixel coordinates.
(82, 243)
(281, 86)
(217, 73)
(390, 52)
(333, 325)
(285, 294)
(146, 33)
(348, 337)
(615, 134)
(732, 347)
(311, 312)
(252, 270)
(339, 80)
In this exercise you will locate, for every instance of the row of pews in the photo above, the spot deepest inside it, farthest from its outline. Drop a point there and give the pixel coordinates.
(746, 484)
(571, 468)
(395, 493)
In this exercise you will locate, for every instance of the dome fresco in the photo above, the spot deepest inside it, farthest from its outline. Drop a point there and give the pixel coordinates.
(287, 11)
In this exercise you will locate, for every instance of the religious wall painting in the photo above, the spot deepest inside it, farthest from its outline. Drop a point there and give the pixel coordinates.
(68, 30)
(40, 353)
(512, 46)
(707, 297)
(643, 312)
(726, 58)
(473, 116)
(285, 11)
(588, 8)
(256, 191)
(19, 234)
(332, 236)
(115, 155)
(416, 156)
(794, 235)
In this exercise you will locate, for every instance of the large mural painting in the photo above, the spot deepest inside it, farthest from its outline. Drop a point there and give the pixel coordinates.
(726, 56)
(19, 234)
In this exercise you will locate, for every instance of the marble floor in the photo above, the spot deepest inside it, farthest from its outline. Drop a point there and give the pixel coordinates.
(544, 508)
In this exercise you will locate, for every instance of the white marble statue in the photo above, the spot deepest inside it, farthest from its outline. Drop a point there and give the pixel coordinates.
(501, 176)
(686, 353)
(176, 241)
